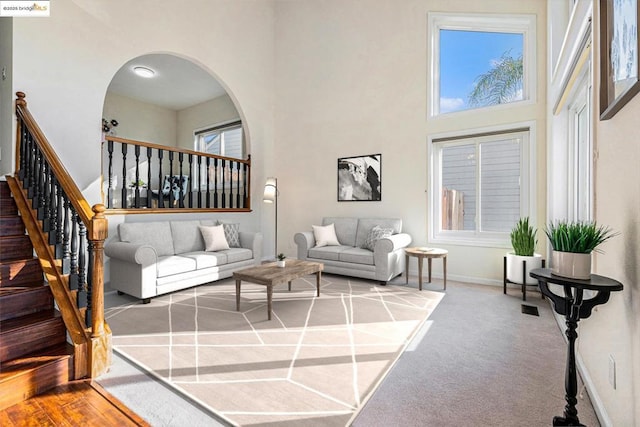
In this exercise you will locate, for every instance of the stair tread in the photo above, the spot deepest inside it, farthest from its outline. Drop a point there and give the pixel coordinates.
(30, 320)
(34, 360)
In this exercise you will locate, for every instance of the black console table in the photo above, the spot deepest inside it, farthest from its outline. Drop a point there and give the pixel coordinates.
(573, 307)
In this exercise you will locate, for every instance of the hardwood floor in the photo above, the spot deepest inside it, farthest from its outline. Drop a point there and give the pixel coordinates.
(78, 403)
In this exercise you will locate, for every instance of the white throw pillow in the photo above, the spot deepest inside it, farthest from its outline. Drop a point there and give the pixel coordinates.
(214, 239)
(325, 235)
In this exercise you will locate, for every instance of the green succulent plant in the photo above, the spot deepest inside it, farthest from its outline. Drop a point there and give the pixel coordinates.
(523, 238)
(281, 257)
(577, 236)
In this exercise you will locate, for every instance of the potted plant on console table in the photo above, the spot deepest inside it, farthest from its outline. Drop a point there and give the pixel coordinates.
(573, 242)
(523, 259)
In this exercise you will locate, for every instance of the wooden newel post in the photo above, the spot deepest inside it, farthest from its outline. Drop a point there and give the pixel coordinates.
(99, 232)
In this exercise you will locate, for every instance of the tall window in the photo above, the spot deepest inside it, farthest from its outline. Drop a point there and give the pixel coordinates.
(480, 185)
(223, 140)
(479, 61)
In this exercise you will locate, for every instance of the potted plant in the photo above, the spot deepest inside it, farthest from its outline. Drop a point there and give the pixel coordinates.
(523, 259)
(281, 258)
(573, 242)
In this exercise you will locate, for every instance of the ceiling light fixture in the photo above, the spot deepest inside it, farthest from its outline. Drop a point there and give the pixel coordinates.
(145, 72)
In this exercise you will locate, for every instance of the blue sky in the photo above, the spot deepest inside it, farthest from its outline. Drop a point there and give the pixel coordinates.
(464, 55)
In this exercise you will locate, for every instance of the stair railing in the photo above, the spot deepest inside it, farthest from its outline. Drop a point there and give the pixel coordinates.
(142, 175)
(68, 237)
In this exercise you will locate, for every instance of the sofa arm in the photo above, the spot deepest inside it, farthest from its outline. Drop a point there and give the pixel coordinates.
(131, 252)
(253, 241)
(305, 241)
(392, 243)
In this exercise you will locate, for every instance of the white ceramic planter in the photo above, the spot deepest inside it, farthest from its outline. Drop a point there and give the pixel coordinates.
(571, 265)
(514, 267)
(280, 263)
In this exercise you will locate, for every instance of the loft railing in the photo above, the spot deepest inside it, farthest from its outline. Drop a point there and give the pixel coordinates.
(139, 176)
(68, 237)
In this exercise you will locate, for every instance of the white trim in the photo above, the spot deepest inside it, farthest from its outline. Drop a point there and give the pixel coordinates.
(524, 24)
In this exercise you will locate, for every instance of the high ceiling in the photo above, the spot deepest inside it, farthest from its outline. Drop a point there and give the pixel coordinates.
(177, 83)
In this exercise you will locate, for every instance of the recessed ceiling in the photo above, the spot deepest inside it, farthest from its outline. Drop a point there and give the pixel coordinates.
(177, 84)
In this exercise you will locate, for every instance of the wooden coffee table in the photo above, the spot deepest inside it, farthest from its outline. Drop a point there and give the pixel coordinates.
(270, 275)
(428, 253)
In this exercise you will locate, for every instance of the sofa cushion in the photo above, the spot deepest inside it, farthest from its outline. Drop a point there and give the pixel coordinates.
(154, 234)
(328, 252)
(366, 224)
(214, 239)
(207, 259)
(174, 264)
(325, 235)
(186, 236)
(375, 234)
(231, 233)
(345, 229)
(238, 254)
(357, 256)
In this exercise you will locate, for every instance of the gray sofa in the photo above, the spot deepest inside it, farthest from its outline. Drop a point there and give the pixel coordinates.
(350, 258)
(148, 259)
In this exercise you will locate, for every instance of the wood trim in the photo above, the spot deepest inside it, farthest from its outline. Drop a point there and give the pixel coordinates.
(175, 150)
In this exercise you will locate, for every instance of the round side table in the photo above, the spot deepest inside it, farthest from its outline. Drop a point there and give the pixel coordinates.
(429, 254)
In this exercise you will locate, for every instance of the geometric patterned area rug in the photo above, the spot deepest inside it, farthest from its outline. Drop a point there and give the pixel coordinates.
(314, 364)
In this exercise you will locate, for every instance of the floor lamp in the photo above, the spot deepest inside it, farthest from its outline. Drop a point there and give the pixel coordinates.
(271, 196)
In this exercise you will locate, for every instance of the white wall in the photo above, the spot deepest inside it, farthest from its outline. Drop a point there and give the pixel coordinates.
(215, 111)
(141, 121)
(613, 328)
(6, 97)
(351, 79)
(65, 63)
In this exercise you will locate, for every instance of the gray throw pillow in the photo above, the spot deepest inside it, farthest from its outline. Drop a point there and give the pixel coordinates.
(376, 233)
(232, 233)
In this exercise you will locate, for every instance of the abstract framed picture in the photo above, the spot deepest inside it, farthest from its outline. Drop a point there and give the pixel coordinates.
(619, 48)
(359, 178)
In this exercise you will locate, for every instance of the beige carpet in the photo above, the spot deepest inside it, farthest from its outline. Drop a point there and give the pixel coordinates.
(314, 364)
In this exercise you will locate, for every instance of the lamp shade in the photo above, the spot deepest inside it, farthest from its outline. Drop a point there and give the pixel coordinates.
(270, 190)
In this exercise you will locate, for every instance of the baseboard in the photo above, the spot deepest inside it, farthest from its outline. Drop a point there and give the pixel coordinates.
(596, 401)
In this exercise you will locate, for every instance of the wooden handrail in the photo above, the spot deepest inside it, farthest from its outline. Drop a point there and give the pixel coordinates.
(91, 338)
(174, 149)
(69, 186)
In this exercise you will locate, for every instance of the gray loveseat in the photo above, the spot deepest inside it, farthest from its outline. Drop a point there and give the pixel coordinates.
(349, 258)
(148, 259)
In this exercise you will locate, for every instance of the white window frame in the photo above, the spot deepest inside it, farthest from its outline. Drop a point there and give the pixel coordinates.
(527, 186)
(524, 24)
(199, 133)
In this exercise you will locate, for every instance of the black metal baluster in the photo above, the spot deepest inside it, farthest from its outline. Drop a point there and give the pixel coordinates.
(24, 147)
(160, 179)
(82, 265)
(137, 185)
(149, 154)
(110, 177)
(46, 199)
(208, 161)
(66, 237)
(73, 274)
(123, 192)
(215, 183)
(89, 287)
(199, 181)
(53, 209)
(239, 165)
(224, 196)
(59, 253)
(190, 157)
(244, 186)
(182, 189)
(172, 197)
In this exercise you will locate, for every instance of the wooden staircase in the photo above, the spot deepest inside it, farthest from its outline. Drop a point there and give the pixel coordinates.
(34, 354)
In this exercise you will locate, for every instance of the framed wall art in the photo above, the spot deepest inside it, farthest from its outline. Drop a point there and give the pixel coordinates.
(359, 178)
(619, 47)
